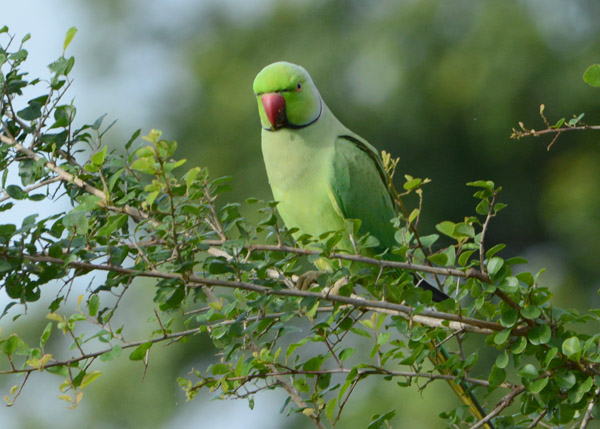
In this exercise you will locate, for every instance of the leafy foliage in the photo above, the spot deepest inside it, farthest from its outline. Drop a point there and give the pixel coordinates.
(138, 215)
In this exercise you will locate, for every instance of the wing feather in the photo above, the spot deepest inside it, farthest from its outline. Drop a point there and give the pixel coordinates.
(360, 189)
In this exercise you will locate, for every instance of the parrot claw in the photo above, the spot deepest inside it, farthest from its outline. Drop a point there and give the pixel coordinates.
(305, 280)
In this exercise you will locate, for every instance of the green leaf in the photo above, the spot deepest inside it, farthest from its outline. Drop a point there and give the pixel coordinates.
(145, 165)
(483, 207)
(89, 377)
(360, 332)
(98, 157)
(191, 175)
(502, 360)
(412, 183)
(565, 380)
(574, 121)
(571, 347)
(446, 227)
(550, 354)
(98, 122)
(10, 345)
(509, 285)
(330, 408)
(559, 123)
(540, 334)
(528, 371)
(438, 259)
(114, 178)
(486, 184)
(61, 370)
(538, 385)
(16, 192)
(463, 230)
(497, 248)
(145, 151)
(497, 376)
(591, 76)
(93, 305)
(46, 334)
(77, 221)
(531, 312)
(140, 351)
(6, 232)
(27, 172)
(112, 354)
(301, 385)
(413, 215)
(429, 240)
(133, 137)
(509, 318)
(379, 421)
(63, 116)
(220, 369)
(463, 259)
(69, 37)
(62, 66)
(37, 197)
(383, 338)
(498, 207)
(501, 336)
(294, 346)
(5, 266)
(77, 317)
(346, 354)
(575, 395)
(526, 278)
(519, 346)
(19, 55)
(494, 265)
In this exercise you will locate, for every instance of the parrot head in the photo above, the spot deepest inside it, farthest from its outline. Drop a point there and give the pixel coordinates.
(286, 96)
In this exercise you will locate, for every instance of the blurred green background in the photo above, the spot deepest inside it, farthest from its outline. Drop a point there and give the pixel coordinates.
(439, 84)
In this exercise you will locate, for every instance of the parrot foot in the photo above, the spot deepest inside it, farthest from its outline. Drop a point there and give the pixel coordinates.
(305, 280)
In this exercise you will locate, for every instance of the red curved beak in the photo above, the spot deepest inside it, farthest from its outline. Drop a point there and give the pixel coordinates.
(274, 105)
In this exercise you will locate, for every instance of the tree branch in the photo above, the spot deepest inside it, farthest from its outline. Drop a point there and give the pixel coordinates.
(504, 402)
(34, 187)
(590, 408)
(69, 178)
(457, 322)
(373, 371)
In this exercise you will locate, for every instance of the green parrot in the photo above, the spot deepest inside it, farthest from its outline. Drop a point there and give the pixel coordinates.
(322, 174)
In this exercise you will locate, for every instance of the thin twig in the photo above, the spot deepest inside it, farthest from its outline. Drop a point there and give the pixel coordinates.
(536, 133)
(34, 187)
(484, 228)
(69, 178)
(504, 402)
(590, 408)
(294, 395)
(538, 419)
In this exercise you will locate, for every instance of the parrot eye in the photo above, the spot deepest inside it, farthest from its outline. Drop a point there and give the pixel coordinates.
(299, 87)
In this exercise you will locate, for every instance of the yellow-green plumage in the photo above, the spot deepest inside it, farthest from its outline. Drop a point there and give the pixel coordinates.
(321, 173)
